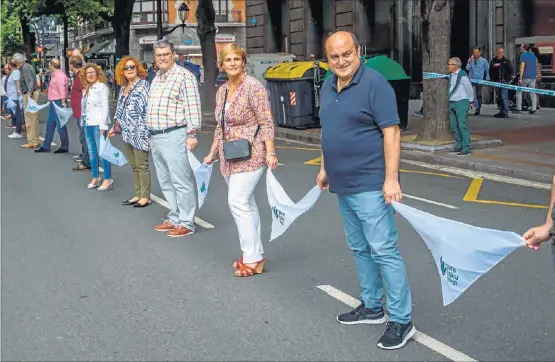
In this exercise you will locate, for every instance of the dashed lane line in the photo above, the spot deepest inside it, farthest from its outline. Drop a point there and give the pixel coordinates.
(422, 338)
(430, 201)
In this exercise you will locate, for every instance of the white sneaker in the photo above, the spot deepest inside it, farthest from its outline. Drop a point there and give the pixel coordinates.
(15, 135)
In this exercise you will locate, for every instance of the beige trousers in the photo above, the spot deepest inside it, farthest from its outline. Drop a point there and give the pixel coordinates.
(31, 120)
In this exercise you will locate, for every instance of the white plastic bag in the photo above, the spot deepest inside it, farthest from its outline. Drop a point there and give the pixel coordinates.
(462, 252)
(34, 107)
(202, 172)
(11, 105)
(64, 114)
(110, 153)
(285, 211)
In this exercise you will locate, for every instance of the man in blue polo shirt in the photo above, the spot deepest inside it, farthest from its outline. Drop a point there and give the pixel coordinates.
(361, 150)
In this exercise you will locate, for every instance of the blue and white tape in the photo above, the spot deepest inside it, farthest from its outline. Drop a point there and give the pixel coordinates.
(542, 92)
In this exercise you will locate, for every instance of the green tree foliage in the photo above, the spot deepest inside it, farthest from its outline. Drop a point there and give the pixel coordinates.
(12, 36)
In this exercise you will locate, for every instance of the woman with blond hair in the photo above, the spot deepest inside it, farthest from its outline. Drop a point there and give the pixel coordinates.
(243, 113)
(130, 121)
(95, 118)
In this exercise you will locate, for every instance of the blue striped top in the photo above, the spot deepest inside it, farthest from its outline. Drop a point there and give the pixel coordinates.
(131, 115)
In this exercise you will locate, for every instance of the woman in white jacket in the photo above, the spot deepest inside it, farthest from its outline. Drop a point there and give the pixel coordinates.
(95, 118)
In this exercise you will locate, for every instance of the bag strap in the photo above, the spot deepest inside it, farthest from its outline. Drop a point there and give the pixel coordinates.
(223, 120)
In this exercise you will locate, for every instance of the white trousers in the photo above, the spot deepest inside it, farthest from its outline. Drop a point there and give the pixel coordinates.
(245, 212)
(529, 83)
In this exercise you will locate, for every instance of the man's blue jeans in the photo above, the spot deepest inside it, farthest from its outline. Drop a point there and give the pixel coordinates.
(372, 235)
(175, 176)
(92, 135)
(52, 124)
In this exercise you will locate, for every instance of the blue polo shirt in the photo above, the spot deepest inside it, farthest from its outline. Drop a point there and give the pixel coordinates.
(352, 138)
(529, 60)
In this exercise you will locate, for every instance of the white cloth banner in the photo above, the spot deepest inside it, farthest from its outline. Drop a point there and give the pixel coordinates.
(11, 105)
(202, 172)
(64, 114)
(110, 153)
(462, 252)
(34, 107)
(285, 211)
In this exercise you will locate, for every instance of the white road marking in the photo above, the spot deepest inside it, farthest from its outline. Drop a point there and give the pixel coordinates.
(164, 203)
(477, 174)
(198, 220)
(42, 139)
(419, 337)
(430, 201)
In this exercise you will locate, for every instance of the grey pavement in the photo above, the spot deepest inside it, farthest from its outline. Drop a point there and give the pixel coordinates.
(84, 278)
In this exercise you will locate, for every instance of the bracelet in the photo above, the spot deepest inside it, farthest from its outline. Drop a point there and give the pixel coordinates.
(271, 154)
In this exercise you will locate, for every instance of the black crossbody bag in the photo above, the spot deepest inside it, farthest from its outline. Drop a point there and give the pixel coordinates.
(236, 150)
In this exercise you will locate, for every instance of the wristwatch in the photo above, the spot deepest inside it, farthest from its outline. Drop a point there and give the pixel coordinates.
(271, 154)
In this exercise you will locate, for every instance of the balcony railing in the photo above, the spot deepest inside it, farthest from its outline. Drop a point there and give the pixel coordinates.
(229, 16)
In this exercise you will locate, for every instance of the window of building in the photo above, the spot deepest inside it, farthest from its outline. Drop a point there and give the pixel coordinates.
(144, 12)
(222, 9)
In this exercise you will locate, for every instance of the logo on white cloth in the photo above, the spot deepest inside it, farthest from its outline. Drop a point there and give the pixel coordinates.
(449, 272)
(278, 214)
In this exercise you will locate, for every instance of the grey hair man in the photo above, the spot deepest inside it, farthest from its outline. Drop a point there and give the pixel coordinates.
(29, 88)
(173, 118)
(461, 95)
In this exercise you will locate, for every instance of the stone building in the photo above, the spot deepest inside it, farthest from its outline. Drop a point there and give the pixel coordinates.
(230, 21)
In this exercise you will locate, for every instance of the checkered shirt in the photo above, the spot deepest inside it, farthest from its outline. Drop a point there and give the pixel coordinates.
(174, 100)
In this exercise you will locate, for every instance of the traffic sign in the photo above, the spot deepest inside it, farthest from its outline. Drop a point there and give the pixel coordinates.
(188, 42)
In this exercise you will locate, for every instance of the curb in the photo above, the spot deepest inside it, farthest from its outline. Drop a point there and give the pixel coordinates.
(427, 156)
(479, 143)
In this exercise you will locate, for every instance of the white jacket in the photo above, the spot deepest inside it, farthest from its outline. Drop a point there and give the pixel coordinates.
(96, 109)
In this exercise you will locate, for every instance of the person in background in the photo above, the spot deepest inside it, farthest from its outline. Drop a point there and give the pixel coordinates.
(173, 118)
(14, 93)
(528, 64)
(151, 73)
(130, 117)
(8, 112)
(95, 118)
(478, 69)
(501, 71)
(360, 163)
(76, 94)
(29, 88)
(243, 108)
(3, 90)
(57, 93)
(461, 96)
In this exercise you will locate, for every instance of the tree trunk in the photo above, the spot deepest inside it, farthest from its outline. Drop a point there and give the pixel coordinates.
(121, 22)
(436, 35)
(26, 34)
(206, 32)
(66, 42)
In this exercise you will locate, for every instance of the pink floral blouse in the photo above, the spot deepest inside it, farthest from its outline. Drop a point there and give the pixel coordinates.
(248, 108)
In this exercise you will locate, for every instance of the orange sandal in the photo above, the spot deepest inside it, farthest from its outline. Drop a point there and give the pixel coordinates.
(248, 271)
(237, 264)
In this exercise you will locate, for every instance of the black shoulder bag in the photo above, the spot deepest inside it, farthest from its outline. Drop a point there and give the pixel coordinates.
(239, 149)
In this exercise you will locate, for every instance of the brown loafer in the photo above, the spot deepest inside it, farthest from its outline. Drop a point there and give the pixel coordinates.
(29, 145)
(179, 231)
(165, 226)
(81, 167)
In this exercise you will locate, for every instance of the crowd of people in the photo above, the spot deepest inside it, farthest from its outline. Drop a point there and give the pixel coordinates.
(360, 155)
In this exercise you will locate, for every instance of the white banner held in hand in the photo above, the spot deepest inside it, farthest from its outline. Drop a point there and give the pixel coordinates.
(64, 114)
(462, 252)
(202, 172)
(285, 211)
(11, 105)
(110, 153)
(34, 107)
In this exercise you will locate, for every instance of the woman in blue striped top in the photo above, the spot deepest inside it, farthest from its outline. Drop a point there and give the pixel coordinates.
(130, 121)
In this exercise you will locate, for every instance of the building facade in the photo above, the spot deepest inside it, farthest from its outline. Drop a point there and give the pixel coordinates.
(230, 22)
(393, 27)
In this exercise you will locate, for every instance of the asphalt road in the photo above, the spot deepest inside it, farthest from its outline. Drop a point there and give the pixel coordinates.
(84, 278)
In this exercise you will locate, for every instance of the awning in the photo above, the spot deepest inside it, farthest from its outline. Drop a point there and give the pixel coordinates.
(102, 48)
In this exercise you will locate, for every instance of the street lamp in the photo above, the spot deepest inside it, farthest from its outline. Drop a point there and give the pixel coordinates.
(183, 13)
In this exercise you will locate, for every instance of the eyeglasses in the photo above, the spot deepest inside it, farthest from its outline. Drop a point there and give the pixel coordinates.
(166, 55)
(129, 67)
(452, 64)
(90, 73)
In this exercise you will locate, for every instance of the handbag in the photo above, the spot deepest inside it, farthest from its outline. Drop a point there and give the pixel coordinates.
(235, 150)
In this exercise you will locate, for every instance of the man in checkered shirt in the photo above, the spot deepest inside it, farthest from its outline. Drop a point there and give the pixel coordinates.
(173, 118)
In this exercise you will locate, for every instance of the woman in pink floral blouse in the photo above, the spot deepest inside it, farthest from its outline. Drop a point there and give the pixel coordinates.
(242, 103)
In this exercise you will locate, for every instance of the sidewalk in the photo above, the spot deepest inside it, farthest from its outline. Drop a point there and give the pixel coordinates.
(525, 143)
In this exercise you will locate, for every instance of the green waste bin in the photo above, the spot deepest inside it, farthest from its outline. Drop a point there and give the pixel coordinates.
(396, 76)
(294, 89)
